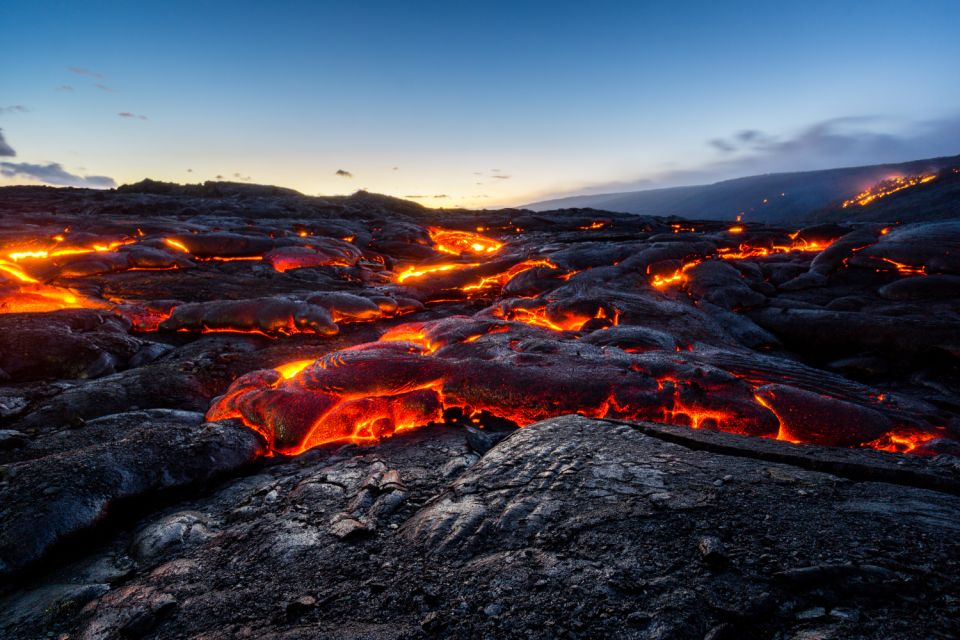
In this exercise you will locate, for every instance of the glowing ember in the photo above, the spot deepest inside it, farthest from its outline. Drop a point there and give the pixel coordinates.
(886, 187)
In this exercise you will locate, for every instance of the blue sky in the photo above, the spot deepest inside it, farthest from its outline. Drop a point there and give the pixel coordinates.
(485, 103)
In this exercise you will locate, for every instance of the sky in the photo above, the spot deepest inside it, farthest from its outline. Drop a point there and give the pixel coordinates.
(466, 103)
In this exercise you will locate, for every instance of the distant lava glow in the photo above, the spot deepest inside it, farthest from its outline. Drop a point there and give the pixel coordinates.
(885, 188)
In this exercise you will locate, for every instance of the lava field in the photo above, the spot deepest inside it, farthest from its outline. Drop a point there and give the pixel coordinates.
(231, 411)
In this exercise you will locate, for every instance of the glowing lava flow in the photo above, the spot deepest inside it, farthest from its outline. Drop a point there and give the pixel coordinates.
(27, 294)
(901, 442)
(886, 187)
(677, 277)
(419, 272)
(501, 279)
(460, 242)
(418, 372)
(906, 269)
(744, 251)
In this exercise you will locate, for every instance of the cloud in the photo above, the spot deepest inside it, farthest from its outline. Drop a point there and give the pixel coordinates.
(836, 142)
(722, 145)
(104, 87)
(16, 108)
(53, 173)
(240, 176)
(343, 174)
(218, 177)
(127, 114)
(65, 87)
(80, 71)
(501, 177)
(5, 149)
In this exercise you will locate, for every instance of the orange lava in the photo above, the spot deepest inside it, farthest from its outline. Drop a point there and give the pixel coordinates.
(176, 244)
(501, 279)
(421, 271)
(460, 242)
(886, 187)
(26, 294)
(677, 277)
(901, 442)
(782, 434)
(538, 317)
(906, 269)
(290, 369)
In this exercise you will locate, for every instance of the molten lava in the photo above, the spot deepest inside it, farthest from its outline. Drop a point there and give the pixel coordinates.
(501, 279)
(460, 242)
(27, 294)
(419, 272)
(886, 187)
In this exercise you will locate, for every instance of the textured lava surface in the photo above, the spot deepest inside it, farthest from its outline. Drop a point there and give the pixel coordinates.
(236, 411)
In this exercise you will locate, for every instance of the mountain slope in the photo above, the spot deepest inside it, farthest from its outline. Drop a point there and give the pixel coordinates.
(776, 197)
(938, 199)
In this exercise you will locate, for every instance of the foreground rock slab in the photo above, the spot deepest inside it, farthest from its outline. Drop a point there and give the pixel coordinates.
(571, 527)
(47, 499)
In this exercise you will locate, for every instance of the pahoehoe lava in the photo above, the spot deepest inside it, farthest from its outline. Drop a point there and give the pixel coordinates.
(192, 378)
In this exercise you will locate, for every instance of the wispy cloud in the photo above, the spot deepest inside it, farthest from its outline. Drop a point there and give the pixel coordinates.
(343, 174)
(836, 142)
(80, 71)
(6, 150)
(127, 114)
(65, 87)
(104, 87)
(15, 108)
(53, 173)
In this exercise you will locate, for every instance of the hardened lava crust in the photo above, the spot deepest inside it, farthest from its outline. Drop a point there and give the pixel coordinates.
(234, 411)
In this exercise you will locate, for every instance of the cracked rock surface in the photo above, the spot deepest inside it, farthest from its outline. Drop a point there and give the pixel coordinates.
(572, 527)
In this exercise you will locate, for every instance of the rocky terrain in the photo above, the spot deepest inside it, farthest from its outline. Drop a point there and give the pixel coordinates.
(236, 411)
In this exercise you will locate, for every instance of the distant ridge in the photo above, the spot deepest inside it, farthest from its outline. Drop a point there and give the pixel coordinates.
(758, 198)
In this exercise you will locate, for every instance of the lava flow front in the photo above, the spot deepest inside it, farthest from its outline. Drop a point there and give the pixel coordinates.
(391, 322)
